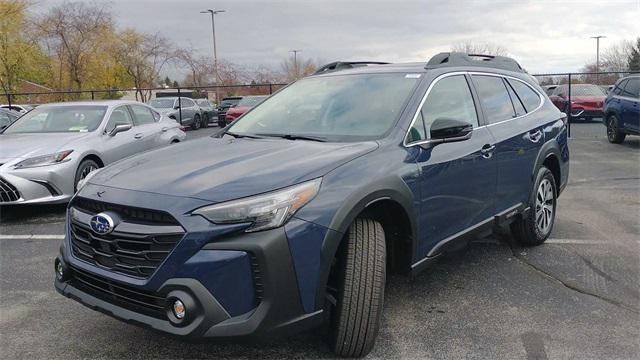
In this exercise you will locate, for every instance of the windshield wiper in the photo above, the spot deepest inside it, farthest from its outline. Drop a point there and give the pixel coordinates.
(298, 137)
(237, 136)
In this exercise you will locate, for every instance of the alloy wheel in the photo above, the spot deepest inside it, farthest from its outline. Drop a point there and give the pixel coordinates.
(86, 171)
(611, 129)
(544, 206)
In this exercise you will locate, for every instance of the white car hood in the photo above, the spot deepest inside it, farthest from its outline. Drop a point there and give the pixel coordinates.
(18, 146)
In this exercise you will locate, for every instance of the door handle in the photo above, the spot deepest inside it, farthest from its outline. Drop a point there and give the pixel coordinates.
(487, 151)
(138, 136)
(535, 137)
(164, 129)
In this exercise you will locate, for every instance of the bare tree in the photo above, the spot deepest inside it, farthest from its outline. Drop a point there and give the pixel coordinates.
(200, 68)
(75, 31)
(483, 48)
(296, 69)
(616, 56)
(143, 57)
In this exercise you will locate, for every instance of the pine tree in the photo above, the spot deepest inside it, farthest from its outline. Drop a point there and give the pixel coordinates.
(634, 57)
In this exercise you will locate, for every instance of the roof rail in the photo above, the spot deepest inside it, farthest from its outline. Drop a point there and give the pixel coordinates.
(463, 59)
(342, 65)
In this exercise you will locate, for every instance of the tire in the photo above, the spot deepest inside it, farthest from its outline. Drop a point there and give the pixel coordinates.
(221, 123)
(361, 276)
(85, 167)
(535, 226)
(195, 125)
(614, 135)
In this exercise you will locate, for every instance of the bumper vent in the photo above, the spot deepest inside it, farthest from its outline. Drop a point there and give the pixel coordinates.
(137, 252)
(8, 192)
(258, 284)
(125, 296)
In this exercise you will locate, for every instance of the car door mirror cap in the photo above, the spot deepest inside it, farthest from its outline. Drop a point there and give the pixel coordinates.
(448, 130)
(120, 128)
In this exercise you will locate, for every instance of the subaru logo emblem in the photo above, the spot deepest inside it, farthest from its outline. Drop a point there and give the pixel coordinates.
(102, 224)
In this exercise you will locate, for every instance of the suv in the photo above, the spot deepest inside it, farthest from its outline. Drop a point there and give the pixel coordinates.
(622, 109)
(313, 196)
(181, 109)
(587, 100)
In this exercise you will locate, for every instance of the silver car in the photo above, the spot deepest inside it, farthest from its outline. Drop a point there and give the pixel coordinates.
(175, 107)
(46, 152)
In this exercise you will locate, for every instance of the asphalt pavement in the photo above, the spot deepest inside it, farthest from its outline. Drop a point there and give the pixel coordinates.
(577, 296)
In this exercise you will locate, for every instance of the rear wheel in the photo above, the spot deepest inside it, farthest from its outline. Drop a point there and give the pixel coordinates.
(86, 166)
(360, 275)
(205, 120)
(614, 135)
(535, 226)
(195, 125)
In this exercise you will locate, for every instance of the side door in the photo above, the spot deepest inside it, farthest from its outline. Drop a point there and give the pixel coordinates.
(630, 106)
(122, 144)
(188, 112)
(147, 130)
(457, 179)
(518, 131)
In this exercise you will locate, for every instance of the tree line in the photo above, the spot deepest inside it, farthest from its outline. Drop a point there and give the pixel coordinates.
(78, 46)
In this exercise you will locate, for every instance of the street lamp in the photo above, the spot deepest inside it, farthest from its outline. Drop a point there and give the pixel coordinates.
(215, 53)
(598, 56)
(295, 61)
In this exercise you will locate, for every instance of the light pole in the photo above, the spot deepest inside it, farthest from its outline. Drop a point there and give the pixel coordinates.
(295, 61)
(215, 53)
(598, 56)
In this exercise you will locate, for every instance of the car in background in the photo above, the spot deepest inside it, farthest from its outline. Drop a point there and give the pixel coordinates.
(207, 110)
(7, 117)
(19, 108)
(244, 105)
(225, 104)
(587, 100)
(175, 107)
(622, 109)
(48, 151)
(548, 89)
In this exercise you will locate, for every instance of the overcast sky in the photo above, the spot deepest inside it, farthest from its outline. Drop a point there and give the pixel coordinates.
(544, 36)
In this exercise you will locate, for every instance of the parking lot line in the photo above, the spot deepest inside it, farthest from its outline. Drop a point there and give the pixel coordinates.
(31, 237)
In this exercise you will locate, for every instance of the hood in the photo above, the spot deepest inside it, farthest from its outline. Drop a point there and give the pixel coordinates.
(29, 145)
(218, 170)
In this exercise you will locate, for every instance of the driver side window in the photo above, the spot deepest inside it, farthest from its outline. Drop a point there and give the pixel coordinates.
(119, 116)
(449, 98)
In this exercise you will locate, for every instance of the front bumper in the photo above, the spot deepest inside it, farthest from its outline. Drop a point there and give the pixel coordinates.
(242, 284)
(40, 185)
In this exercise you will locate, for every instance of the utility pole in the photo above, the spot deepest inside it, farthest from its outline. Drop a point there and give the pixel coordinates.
(295, 61)
(598, 37)
(215, 53)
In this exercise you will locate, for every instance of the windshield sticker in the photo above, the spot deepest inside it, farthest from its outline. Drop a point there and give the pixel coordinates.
(412, 76)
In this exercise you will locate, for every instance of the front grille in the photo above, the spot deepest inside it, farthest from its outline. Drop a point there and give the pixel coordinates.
(127, 213)
(8, 192)
(257, 279)
(124, 296)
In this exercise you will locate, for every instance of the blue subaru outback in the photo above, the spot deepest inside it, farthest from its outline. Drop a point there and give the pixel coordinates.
(307, 201)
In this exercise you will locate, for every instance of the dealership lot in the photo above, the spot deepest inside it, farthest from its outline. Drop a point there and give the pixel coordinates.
(577, 296)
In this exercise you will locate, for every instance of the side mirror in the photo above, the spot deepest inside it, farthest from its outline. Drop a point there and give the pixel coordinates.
(449, 130)
(176, 107)
(120, 128)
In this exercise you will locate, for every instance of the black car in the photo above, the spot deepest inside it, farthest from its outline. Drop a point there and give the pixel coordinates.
(207, 110)
(226, 103)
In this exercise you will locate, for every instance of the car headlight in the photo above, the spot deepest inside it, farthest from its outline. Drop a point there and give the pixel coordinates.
(43, 160)
(266, 211)
(86, 179)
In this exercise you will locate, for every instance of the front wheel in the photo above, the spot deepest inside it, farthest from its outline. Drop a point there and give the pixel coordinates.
(614, 135)
(360, 275)
(86, 166)
(534, 227)
(195, 125)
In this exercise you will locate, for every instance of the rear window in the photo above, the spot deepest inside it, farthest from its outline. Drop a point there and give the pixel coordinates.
(161, 103)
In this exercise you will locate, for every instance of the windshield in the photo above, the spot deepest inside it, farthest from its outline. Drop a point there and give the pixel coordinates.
(586, 90)
(251, 101)
(203, 103)
(162, 103)
(338, 108)
(50, 119)
(229, 102)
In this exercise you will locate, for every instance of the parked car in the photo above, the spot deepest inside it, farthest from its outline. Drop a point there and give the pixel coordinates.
(49, 150)
(548, 89)
(171, 107)
(7, 117)
(244, 105)
(587, 100)
(19, 108)
(622, 109)
(207, 110)
(225, 104)
(298, 209)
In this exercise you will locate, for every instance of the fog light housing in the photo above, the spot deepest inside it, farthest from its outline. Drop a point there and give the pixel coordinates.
(61, 271)
(179, 309)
